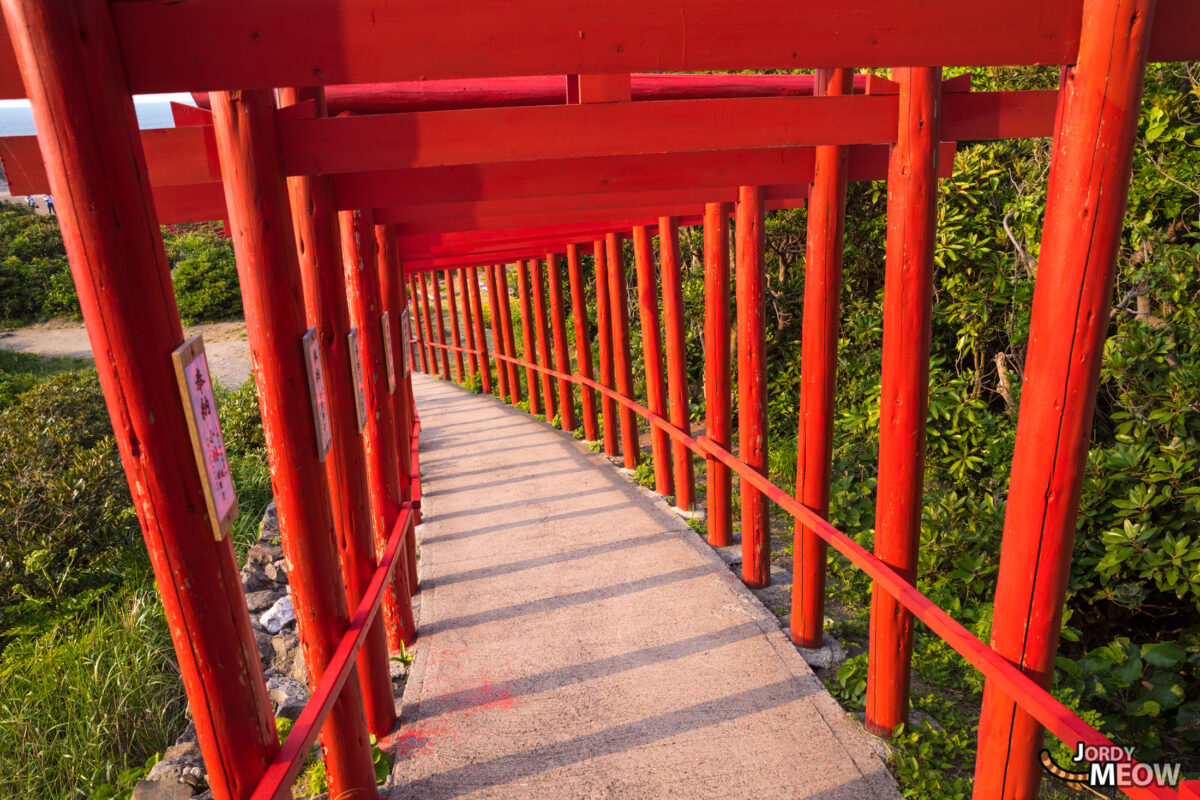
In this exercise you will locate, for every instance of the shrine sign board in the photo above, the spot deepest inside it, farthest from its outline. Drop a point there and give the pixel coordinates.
(409, 351)
(208, 445)
(385, 322)
(356, 370)
(315, 367)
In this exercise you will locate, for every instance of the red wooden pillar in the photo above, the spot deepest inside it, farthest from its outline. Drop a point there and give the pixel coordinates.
(527, 339)
(608, 406)
(506, 327)
(818, 369)
(481, 344)
(583, 342)
(468, 323)
(677, 379)
(379, 426)
(319, 253)
(618, 307)
(269, 273)
(429, 340)
(717, 400)
(751, 281)
(562, 358)
(71, 65)
(1085, 207)
(441, 325)
(904, 388)
(656, 390)
(455, 338)
(394, 299)
(497, 337)
(542, 337)
(418, 325)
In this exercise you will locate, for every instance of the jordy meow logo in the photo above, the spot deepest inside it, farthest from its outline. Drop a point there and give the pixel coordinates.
(1111, 766)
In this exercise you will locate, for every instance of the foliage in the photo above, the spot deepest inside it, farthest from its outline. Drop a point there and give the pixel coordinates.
(35, 280)
(205, 275)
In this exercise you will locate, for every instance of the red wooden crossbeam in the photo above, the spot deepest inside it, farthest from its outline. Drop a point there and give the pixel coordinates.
(169, 47)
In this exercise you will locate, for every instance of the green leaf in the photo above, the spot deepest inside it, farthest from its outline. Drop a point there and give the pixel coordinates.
(1163, 654)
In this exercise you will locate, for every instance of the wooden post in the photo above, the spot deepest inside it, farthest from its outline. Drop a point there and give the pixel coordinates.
(455, 338)
(269, 273)
(489, 272)
(361, 272)
(429, 340)
(618, 307)
(394, 300)
(656, 390)
(481, 345)
(542, 336)
(904, 387)
(583, 342)
(418, 325)
(319, 253)
(751, 280)
(71, 65)
(818, 369)
(468, 323)
(677, 379)
(608, 406)
(1085, 207)
(510, 342)
(441, 324)
(527, 322)
(717, 392)
(562, 358)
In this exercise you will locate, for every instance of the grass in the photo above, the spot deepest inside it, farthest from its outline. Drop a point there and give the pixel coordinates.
(20, 372)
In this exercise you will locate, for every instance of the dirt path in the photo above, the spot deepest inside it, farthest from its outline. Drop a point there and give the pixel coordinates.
(225, 342)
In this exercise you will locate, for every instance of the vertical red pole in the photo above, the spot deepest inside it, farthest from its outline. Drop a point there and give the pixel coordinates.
(618, 307)
(455, 338)
(379, 430)
(542, 331)
(1085, 208)
(904, 387)
(677, 379)
(394, 299)
(417, 323)
(429, 340)
(583, 342)
(319, 252)
(71, 65)
(717, 399)
(527, 322)
(604, 338)
(468, 323)
(497, 337)
(441, 324)
(562, 357)
(818, 369)
(656, 390)
(751, 285)
(481, 344)
(269, 273)
(506, 327)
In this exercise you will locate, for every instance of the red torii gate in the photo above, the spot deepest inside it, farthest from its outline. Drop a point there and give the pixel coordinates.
(80, 87)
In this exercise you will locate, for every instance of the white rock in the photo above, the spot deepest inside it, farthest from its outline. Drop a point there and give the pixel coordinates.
(278, 615)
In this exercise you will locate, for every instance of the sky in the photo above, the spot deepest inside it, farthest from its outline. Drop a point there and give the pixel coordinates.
(138, 98)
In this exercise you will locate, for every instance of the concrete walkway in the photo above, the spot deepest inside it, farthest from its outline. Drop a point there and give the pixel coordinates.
(579, 640)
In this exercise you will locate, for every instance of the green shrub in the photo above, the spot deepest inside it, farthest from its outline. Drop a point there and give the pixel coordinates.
(206, 286)
(35, 279)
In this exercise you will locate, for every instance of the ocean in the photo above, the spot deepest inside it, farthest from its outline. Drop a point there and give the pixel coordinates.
(18, 121)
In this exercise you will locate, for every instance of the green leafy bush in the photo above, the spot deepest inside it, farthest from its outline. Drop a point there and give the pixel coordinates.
(35, 279)
(205, 278)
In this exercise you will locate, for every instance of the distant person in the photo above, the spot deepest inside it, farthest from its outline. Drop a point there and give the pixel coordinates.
(49, 204)
(32, 202)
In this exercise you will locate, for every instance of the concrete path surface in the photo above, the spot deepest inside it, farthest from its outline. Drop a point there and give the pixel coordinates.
(578, 640)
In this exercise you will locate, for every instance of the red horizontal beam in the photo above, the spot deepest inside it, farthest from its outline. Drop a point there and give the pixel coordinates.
(591, 130)
(548, 236)
(589, 217)
(547, 90)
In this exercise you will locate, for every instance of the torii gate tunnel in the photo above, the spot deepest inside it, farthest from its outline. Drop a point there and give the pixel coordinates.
(463, 164)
